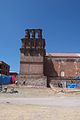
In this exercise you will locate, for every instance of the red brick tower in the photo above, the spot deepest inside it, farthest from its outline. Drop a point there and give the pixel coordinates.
(32, 55)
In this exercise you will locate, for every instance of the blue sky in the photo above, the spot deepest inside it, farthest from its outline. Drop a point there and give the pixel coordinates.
(59, 19)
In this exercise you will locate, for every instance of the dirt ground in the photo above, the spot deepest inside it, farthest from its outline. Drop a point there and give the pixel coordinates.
(40, 104)
(38, 112)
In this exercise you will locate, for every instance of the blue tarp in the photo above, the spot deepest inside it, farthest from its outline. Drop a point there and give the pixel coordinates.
(78, 85)
(4, 80)
(73, 85)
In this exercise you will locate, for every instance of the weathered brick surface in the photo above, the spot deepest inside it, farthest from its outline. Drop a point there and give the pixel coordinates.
(31, 59)
(28, 68)
(55, 67)
(4, 68)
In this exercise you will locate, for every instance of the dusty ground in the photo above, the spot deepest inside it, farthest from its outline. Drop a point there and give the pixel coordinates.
(36, 112)
(40, 104)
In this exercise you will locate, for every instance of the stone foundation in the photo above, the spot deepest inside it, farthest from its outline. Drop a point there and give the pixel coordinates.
(55, 82)
(31, 81)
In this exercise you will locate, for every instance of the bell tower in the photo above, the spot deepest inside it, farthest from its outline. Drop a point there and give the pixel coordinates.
(32, 54)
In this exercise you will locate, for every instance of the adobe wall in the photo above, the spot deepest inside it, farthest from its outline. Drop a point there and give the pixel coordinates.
(55, 67)
(31, 65)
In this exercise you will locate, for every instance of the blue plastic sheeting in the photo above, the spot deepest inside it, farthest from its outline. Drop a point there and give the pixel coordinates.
(78, 85)
(4, 80)
(71, 85)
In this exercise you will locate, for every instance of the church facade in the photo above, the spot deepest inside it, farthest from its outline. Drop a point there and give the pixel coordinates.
(38, 68)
